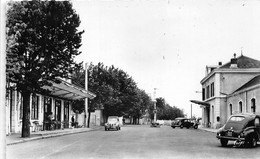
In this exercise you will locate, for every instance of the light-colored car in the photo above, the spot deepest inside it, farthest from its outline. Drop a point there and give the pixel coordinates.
(112, 123)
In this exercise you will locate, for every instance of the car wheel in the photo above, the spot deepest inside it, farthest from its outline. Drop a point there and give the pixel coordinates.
(223, 142)
(181, 126)
(105, 129)
(173, 127)
(251, 141)
(196, 127)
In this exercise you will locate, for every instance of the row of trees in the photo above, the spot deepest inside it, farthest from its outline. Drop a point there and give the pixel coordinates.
(42, 42)
(165, 111)
(118, 94)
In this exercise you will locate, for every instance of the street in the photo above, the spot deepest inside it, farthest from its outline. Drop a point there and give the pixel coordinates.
(132, 141)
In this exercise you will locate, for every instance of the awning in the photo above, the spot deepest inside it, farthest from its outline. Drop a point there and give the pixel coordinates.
(69, 91)
(200, 103)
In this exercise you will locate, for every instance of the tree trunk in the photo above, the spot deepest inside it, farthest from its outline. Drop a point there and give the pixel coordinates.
(26, 114)
(89, 113)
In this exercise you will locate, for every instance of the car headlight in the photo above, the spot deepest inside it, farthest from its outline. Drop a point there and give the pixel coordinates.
(242, 134)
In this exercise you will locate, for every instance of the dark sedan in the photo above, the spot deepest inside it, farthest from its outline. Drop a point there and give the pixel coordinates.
(241, 128)
(184, 122)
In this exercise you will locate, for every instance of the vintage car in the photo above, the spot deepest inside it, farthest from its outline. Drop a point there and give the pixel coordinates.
(184, 122)
(155, 124)
(112, 123)
(241, 128)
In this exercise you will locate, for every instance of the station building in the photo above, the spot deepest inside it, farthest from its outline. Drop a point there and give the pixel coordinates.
(228, 89)
(57, 102)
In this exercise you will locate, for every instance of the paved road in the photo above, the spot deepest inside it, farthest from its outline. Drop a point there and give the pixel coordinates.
(131, 142)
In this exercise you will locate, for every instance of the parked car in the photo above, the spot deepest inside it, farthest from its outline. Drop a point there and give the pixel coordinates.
(184, 122)
(181, 122)
(241, 128)
(112, 123)
(155, 124)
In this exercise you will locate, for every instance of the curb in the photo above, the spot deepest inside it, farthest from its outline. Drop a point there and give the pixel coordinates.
(207, 130)
(46, 136)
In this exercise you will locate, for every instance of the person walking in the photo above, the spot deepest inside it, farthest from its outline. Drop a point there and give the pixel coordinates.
(72, 121)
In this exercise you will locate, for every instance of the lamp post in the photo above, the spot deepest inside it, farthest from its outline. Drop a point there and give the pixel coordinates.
(155, 110)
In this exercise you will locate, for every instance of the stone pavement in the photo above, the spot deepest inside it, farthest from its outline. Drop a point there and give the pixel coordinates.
(16, 138)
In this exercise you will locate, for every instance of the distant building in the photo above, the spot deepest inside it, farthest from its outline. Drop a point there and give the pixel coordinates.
(228, 89)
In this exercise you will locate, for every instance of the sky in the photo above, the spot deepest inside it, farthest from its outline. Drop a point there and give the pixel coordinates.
(167, 44)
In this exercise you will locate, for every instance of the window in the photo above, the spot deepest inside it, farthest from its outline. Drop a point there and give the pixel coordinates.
(207, 93)
(21, 106)
(237, 118)
(240, 107)
(203, 94)
(218, 118)
(35, 107)
(230, 109)
(213, 114)
(57, 113)
(253, 105)
(66, 110)
(212, 90)
(257, 122)
(47, 107)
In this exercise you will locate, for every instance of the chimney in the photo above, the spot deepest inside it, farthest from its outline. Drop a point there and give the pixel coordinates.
(233, 63)
(220, 63)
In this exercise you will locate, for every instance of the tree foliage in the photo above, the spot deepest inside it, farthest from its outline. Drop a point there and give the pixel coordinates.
(118, 94)
(42, 41)
(114, 88)
(165, 111)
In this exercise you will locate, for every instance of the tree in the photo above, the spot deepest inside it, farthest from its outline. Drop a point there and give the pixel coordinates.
(78, 79)
(43, 37)
(141, 103)
(116, 91)
(165, 111)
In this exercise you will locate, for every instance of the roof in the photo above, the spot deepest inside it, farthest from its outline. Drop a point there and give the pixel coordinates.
(69, 91)
(200, 102)
(252, 82)
(244, 62)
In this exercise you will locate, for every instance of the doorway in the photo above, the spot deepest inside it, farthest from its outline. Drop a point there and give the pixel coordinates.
(47, 111)
(57, 113)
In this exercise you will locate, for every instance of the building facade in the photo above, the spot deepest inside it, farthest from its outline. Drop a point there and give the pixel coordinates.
(58, 103)
(246, 98)
(221, 95)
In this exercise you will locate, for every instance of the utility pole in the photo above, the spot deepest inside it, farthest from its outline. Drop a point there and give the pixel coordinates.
(191, 111)
(2, 82)
(86, 99)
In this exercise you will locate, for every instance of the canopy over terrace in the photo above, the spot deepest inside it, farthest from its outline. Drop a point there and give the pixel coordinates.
(205, 104)
(69, 91)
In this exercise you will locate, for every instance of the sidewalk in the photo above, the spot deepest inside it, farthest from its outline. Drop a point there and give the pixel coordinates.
(16, 138)
(208, 129)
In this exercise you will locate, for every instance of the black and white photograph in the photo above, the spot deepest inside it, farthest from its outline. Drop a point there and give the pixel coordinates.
(130, 79)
